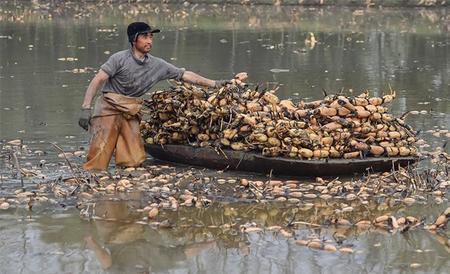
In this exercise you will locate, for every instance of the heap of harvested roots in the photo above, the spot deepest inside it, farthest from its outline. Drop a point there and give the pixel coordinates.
(241, 118)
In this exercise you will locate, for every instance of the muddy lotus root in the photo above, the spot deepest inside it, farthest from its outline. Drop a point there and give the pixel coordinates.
(244, 119)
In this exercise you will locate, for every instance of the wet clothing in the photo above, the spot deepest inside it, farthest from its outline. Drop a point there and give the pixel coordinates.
(115, 126)
(116, 117)
(133, 77)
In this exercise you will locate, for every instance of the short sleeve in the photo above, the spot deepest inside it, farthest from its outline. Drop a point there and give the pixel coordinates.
(169, 71)
(111, 66)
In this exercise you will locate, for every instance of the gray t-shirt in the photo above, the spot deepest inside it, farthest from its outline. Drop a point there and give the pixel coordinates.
(132, 77)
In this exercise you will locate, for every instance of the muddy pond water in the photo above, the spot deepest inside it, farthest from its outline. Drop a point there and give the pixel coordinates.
(49, 53)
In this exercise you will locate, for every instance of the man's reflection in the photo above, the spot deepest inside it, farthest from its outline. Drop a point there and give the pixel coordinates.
(124, 246)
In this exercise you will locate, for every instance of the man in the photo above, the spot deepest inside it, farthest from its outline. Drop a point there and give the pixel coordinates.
(127, 75)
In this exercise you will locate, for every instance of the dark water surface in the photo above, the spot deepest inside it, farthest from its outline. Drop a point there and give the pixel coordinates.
(41, 94)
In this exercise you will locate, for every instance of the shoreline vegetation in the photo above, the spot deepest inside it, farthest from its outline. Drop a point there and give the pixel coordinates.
(345, 3)
(319, 18)
(304, 3)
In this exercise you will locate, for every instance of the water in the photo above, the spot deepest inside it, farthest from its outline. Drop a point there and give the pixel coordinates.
(200, 243)
(41, 94)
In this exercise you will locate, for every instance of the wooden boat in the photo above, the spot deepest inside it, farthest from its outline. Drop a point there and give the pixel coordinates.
(255, 162)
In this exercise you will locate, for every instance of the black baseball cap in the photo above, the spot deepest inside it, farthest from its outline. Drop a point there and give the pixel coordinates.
(136, 28)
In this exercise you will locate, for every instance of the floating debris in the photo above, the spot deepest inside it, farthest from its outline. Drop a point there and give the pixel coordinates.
(346, 250)
(4, 205)
(16, 142)
(276, 70)
(310, 40)
(68, 59)
(153, 213)
(107, 30)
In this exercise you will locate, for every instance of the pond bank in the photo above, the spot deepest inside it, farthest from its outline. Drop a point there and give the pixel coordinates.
(344, 3)
(311, 3)
(355, 3)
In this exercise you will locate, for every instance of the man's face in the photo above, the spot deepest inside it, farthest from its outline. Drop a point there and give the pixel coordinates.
(144, 42)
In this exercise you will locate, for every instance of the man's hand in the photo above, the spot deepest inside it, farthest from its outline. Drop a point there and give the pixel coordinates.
(222, 83)
(85, 118)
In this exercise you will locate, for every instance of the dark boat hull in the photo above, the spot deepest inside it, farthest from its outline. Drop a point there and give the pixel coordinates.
(254, 162)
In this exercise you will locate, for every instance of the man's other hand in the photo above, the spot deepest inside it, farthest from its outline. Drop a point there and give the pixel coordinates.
(222, 83)
(85, 118)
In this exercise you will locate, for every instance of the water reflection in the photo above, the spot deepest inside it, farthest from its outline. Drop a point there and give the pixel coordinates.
(219, 231)
(215, 239)
(123, 246)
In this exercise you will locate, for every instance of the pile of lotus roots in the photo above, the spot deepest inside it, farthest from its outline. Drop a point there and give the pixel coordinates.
(244, 119)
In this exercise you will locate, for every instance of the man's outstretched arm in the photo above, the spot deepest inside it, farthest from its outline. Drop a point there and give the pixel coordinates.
(194, 78)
